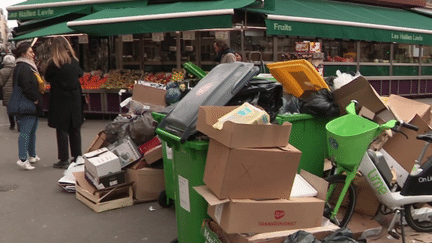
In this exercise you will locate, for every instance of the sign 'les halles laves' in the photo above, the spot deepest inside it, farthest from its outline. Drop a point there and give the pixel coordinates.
(32, 13)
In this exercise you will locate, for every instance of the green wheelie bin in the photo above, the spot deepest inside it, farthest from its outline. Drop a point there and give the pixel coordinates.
(308, 134)
(189, 160)
(167, 197)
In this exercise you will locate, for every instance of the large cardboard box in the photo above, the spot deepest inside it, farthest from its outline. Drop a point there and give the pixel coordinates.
(406, 151)
(406, 109)
(102, 200)
(148, 182)
(258, 173)
(236, 135)
(153, 98)
(359, 89)
(101, 162)
(367, 202)
(261, 216)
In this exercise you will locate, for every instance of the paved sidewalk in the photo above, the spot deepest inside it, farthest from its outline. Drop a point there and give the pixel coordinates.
(33, 208)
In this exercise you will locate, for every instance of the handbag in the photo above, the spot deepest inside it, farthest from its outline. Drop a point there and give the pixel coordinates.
(19, 104)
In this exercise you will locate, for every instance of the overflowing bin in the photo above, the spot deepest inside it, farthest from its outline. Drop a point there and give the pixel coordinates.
(308, 134)
(191, 208)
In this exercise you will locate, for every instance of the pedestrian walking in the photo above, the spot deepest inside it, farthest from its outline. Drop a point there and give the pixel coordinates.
(223, 53)
(65, 112)
(6, 79)
(24, 104)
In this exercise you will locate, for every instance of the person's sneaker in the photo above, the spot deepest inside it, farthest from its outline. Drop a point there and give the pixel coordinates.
(25, 165)
(34, 160)
(62, 164)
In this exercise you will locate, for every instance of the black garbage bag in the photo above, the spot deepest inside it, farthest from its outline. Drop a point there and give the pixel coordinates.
(291, 104)
(142, 129)
(263, 93)
(320, 103)
(301, 236)
(117, 129)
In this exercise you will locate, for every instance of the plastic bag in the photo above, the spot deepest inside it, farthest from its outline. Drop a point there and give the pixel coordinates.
(117, 129)
(301, 236)
(343, 235)
(291, 104)
(343, 78)
(320, 103)
(142, 129)
(263, 93)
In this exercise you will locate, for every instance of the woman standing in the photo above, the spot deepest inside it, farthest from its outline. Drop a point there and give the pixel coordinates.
(25, 77)
(6, 80)
(223, 53)
(65, 107)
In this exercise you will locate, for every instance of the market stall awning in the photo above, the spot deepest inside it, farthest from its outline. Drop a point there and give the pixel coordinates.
(57, 29)
(37, 9)
(334, 19)
(179, 16)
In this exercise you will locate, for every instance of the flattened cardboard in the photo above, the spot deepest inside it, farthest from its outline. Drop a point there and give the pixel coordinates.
(153, 97)
(235, 135)
(148, 183)
(257, 173)
(262, 216)
(367, 202)
(406, 151)
(406, 109)
(359, 89)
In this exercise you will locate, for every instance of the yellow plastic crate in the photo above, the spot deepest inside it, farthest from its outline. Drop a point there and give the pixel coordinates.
(297, 76)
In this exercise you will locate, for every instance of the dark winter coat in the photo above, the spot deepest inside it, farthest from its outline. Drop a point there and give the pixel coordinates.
(65, 106)
(6, 80)
(24, 76)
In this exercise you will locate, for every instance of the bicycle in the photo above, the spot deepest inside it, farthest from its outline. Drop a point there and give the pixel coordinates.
(349, 137)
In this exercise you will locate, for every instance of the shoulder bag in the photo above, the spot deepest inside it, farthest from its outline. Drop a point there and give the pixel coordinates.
(19, 104)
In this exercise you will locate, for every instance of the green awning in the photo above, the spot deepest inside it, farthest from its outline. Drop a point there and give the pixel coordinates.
(37, 9)
(179, 16)
(333, 19)
(57, 29)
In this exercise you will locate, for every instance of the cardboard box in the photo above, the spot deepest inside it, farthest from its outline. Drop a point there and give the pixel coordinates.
(261, 216)
(406, 151)
(235, 135)
(406, 109)
(102, 200)
(98, 142)
(213, 233)
(126, 151)
(106, 181)
(153, 155)
(152, 97)
(359, 89)
(148, 183)
(101, 162)
(149, 145)
(258, 173)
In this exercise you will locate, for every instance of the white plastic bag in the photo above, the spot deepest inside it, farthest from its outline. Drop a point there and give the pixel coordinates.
(343, 78)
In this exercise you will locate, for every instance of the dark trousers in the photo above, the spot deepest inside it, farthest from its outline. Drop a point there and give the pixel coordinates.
(63, 138)
(12, 120)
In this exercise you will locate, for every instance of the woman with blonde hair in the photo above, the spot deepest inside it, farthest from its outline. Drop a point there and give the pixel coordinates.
(65, 112)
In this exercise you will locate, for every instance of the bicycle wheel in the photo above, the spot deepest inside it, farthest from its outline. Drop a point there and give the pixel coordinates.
(346, 210)
(419, 217)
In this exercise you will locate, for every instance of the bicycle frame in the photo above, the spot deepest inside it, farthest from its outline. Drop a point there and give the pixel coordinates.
(392, 200)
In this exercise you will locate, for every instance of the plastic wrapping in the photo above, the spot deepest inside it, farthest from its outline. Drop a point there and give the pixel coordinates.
(140, 128)
(301, 236)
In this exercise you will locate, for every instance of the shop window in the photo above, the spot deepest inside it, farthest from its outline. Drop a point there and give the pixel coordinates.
(161, 49)
(427, 54)
(406, 53)
(339, 51)
(188, 46)
(207, 51)
(258, 46)
(131, 46)
(375, 52)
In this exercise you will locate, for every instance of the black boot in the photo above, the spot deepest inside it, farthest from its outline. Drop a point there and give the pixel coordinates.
(62, 164)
